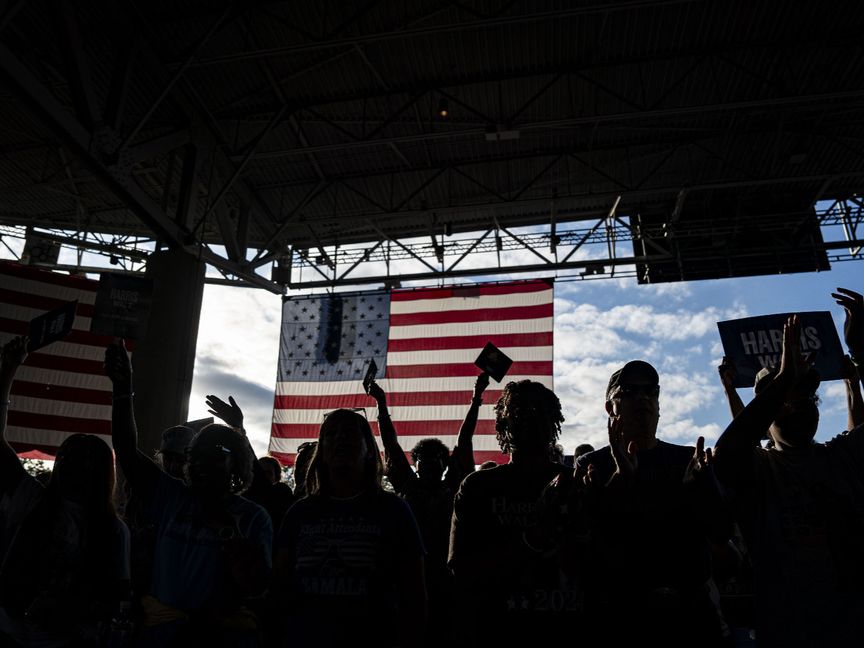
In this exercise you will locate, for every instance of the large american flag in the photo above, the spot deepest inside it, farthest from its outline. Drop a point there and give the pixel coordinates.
(424, 342)
(60, 389)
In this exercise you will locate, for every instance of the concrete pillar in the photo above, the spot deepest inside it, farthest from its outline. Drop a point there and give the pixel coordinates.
(164, 360)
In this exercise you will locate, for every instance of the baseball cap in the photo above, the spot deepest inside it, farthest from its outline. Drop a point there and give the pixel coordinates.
(632, 368)
(764, 378)
(176, 439)
(808, 383)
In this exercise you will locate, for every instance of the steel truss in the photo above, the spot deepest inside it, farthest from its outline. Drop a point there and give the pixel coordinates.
(571, 251)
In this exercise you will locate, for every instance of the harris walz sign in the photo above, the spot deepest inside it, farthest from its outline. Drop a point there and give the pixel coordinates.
(756, 342)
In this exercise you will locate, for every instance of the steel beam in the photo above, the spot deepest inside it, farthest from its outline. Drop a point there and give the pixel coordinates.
(582, 120)
(45, 107)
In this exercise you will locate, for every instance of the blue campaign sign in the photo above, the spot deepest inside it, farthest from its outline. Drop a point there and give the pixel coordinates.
(756, 342)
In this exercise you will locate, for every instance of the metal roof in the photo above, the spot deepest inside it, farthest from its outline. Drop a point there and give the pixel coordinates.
(285, 126)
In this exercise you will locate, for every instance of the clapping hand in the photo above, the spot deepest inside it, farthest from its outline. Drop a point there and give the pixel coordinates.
(853, 328)
(700, 463)
(623, 453)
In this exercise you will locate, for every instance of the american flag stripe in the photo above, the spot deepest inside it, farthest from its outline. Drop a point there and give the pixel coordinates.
(34, 303)
(472, 342)
(398, 399)
(461, 385)
(399, 414)
(61, 389)
(481, 329)
(433, 339)
(71, 394)
(21, 327)
(54, 378)
(462, 369)
(475, 315)
(505, 290)
(407, 438)
(43, 444)
(290, 432)
(483, 302)
(55, 422)
(449, 356)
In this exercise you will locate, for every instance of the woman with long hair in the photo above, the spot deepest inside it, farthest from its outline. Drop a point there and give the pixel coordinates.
(349, 551)
(64, 554)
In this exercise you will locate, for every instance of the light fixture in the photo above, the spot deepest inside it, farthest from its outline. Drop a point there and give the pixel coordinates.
(443, 108)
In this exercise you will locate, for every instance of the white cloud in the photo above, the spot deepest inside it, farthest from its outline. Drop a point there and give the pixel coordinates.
(237, 353)
(669, 291)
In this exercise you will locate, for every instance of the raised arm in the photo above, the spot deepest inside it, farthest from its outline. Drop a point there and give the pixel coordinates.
(229, 412)
(853, 328)
(463, 454)
(746, 430)
(854, 400)
(13, 354)
(141, 472)
(398, 467)
(727, 372)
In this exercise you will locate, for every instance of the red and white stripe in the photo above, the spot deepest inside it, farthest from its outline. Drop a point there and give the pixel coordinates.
(62, 388)
(435, 336)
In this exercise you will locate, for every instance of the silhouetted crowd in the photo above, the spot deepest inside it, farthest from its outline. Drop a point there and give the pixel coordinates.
(758, 541)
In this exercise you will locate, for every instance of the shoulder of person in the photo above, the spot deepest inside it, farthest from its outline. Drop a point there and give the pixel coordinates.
(391, 500)
(680, 452)
(599, 458)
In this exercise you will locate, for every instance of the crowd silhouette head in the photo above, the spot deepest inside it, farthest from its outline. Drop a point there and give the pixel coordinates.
(527, 416)
(346, 451)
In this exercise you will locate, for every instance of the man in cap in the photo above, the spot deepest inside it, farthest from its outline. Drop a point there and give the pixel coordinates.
(800, 503)
(655, 509)
(171, 455)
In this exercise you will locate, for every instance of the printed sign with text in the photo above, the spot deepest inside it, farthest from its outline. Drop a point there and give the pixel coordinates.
(756, 342)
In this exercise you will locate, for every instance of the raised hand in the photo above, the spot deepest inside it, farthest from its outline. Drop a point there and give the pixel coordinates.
(480, 385)
(793, 363)
(229, 412)
(727, 372)
(118, 367)
(376, 392)
(853, 328)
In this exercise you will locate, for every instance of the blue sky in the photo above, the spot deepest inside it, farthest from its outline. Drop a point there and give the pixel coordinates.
(599, 325)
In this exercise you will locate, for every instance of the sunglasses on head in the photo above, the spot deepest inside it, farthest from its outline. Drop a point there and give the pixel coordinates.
(631, 391)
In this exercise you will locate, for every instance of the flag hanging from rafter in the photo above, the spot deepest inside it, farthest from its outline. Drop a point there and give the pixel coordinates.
(424, 342)
(62, 388)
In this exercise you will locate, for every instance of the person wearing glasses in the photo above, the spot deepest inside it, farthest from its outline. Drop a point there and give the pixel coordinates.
(655, 512)
(800, 503)
(213, 548)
